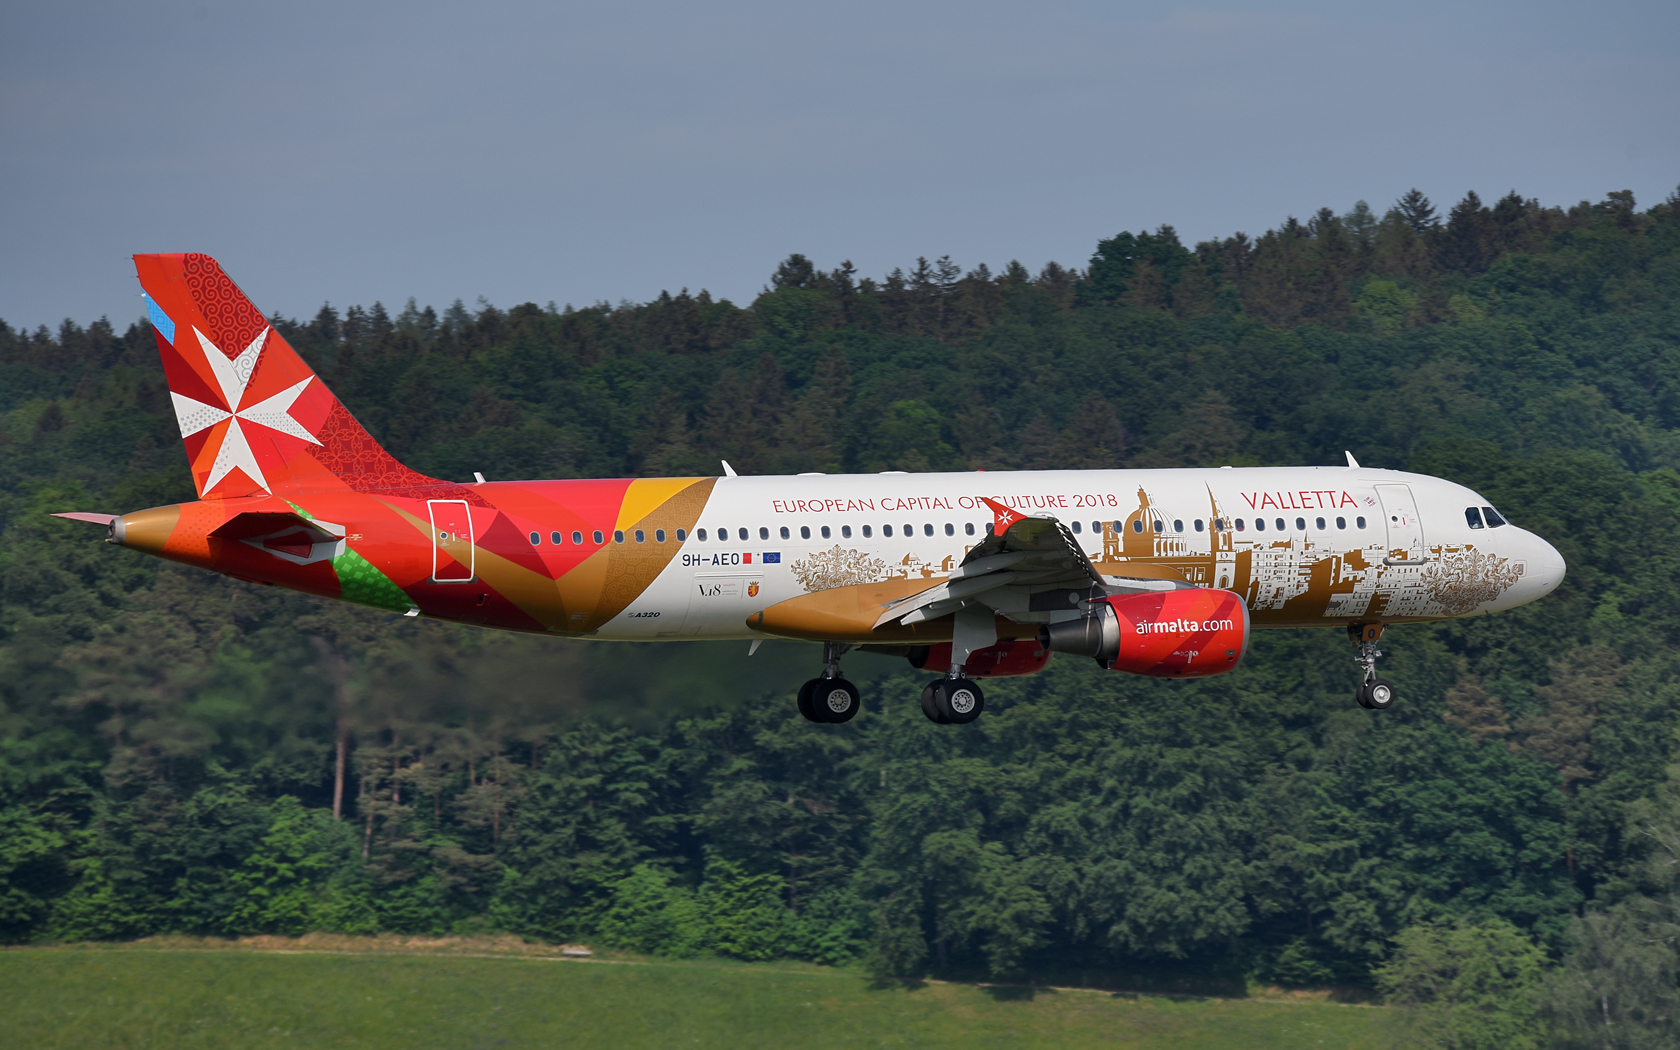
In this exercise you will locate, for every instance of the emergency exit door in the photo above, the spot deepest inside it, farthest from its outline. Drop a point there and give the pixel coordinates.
(452, 541)
(1405, 528)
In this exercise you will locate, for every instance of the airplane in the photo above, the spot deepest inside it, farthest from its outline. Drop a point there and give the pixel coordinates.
(1163, 572)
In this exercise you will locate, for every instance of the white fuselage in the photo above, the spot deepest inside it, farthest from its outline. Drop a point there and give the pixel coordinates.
(1302, 545)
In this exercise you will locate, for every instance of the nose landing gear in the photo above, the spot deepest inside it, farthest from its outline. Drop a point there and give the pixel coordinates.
(830, 698)
(1374, 693)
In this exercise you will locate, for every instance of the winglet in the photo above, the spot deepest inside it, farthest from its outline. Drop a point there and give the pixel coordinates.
(1353, 464)
(1002, 517)
(728, 471)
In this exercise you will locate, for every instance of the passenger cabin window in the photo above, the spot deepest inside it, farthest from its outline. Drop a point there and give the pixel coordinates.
(1259, 524)
(1198, 524)
(1319, 523)
(868, 532)
(598, 539)
(1300, 524)
(845, 532)
(909, 530)
(1473, 517)
(1096, 526)
(927, 529)
(1360, 522)
(618, 535)
(763, 533)
(785, 533)
(700, 534)
(1493, 518)
(1137, 526)
(1341, 523)
(659, 535)
(1076, 528)
(641, 537)
(886, 530)
(1239, 525)
(555, 538)
(825, 532)
(742, 533)
(804, 532)
(968, 528)
(577, 538)
(1280, 525)
(536, 539)
(1178, 526)
(1159, 525)
(950, 530)
(682, 534)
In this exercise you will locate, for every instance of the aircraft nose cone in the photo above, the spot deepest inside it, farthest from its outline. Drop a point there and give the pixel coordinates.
(1547, 567)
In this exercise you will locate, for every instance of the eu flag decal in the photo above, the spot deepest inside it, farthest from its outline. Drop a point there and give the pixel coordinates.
(772, 557)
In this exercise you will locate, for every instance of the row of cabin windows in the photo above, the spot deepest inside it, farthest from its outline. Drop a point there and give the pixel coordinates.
(1158, 525)
(1220, 525)
(826, 532)
(558, 538)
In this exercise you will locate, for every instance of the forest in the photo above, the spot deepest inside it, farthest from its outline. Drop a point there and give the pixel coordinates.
(1509, 833)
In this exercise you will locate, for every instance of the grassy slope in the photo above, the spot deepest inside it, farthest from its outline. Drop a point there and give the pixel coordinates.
(91, 997)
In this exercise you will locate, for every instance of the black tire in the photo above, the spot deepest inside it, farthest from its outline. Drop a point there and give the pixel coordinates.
(930, 708)
(1378, 695)
(958, 700)
(805, 706)
(834, 700)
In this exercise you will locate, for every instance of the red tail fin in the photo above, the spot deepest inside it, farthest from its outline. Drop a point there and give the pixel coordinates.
(255, 418)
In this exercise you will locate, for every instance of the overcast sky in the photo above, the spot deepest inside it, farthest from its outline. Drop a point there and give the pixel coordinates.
(349, 152)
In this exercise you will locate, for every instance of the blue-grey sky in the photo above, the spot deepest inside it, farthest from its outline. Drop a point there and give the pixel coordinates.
(576, 152)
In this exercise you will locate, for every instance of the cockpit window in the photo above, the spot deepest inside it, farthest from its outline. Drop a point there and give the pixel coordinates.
(1473, 516)
(1493, 518)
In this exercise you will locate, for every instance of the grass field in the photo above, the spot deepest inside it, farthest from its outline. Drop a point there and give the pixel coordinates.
(180, 995)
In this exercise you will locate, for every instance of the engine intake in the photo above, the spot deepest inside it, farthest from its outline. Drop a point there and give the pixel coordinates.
(1163, 634)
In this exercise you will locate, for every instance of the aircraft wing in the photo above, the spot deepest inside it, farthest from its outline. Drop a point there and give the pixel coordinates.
(1022, 552)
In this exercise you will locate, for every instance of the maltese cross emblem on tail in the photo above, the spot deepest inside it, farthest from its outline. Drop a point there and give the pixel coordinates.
(237, 424)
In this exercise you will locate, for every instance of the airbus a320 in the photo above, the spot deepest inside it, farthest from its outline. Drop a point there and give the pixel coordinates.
(1163, 573)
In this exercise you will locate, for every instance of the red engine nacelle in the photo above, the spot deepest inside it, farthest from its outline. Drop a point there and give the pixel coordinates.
(1164, 634)
(1003, 660)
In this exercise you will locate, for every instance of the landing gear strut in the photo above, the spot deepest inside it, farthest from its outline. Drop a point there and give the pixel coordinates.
(830, 698)
(1373, 693)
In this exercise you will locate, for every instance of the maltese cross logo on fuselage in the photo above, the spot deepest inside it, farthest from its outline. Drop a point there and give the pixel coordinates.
(272, 413)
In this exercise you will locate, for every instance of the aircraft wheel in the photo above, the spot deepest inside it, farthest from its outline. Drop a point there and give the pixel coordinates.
(1376, 695)
(930, 708)
(805, 706)
(834, 700)
(958, 700)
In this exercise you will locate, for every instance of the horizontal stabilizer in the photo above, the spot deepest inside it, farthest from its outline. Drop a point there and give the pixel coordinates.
(88, 516)
(289, 537)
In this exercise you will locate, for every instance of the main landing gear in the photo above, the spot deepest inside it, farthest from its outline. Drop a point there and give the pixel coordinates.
(830, 698)
(952, 701)
(1373, 693)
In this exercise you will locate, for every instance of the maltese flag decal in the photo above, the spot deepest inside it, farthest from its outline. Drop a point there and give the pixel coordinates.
(231, 444)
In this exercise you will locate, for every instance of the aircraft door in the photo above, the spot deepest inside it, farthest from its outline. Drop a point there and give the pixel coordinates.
(452, 541)
(1405, 528)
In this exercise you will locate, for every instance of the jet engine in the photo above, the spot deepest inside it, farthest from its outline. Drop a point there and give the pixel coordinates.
(1165, 634)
